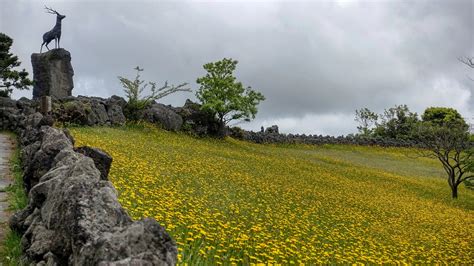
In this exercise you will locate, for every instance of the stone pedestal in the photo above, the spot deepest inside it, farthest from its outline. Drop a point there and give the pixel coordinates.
(52, 74)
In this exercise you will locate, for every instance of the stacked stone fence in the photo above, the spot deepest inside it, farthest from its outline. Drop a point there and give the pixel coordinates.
(96, 111)
(278, 138)
(73, 216)
(271, 135)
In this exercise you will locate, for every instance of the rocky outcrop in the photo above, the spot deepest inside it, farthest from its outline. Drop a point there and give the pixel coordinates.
(52, 142)
(52, 74)
(13, 113)
(98, 114)
(115, 114)
(10, 115)
(272, 130)
(196, 121)
(7, 103)
(71, 111)
(27, 106)
(162, 115)
(95, 111)
(73, 216)
(102, 160)
(90, 111)
(116, 100)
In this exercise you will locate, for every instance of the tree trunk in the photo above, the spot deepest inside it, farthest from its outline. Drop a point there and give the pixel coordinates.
(454, 190)
(222, 130)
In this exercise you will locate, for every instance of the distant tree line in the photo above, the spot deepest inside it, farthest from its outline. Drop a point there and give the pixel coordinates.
(400, 123)
(441, 133)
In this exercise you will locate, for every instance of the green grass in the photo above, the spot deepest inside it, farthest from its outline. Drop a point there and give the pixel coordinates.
(11, 252)
(229, 201)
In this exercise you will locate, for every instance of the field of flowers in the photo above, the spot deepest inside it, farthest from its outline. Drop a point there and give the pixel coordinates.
(231, 202)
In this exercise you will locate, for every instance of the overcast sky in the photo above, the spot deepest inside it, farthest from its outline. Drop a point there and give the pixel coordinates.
(315, 61)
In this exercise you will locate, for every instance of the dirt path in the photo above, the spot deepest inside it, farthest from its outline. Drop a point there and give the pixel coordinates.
(6, 150)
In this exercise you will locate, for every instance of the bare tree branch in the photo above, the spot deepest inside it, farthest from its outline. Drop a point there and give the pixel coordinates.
(468, 61)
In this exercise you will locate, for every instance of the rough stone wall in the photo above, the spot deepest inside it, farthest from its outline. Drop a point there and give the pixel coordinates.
(73, 216)
(52, 74)
(94, 111)
(13, 113)
(89, 111)
(272, 135)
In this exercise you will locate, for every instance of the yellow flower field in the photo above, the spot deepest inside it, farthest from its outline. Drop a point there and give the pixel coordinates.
(232, 202)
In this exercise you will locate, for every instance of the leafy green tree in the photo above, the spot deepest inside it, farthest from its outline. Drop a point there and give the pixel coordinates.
(451, 144)
(224, 97)
(453, 148)
(135, 88)
(366, 119)
(444, 116)
(9, 77)
(397, 122)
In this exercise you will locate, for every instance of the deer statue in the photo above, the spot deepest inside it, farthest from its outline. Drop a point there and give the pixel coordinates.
(55, 33)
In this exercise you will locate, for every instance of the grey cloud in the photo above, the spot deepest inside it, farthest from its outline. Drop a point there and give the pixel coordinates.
(310, 59)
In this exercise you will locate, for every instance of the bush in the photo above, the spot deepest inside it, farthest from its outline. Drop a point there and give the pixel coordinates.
(134, 90)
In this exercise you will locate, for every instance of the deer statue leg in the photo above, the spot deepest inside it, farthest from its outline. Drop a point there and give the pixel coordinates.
(59, 38)
(47, 45)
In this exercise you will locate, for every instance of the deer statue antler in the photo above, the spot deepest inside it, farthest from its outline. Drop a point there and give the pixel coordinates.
(50, 10)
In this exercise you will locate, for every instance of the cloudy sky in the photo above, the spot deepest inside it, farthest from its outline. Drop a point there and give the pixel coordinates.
(315, 61)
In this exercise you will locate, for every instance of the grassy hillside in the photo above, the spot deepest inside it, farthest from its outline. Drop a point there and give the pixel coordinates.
(227, 201)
